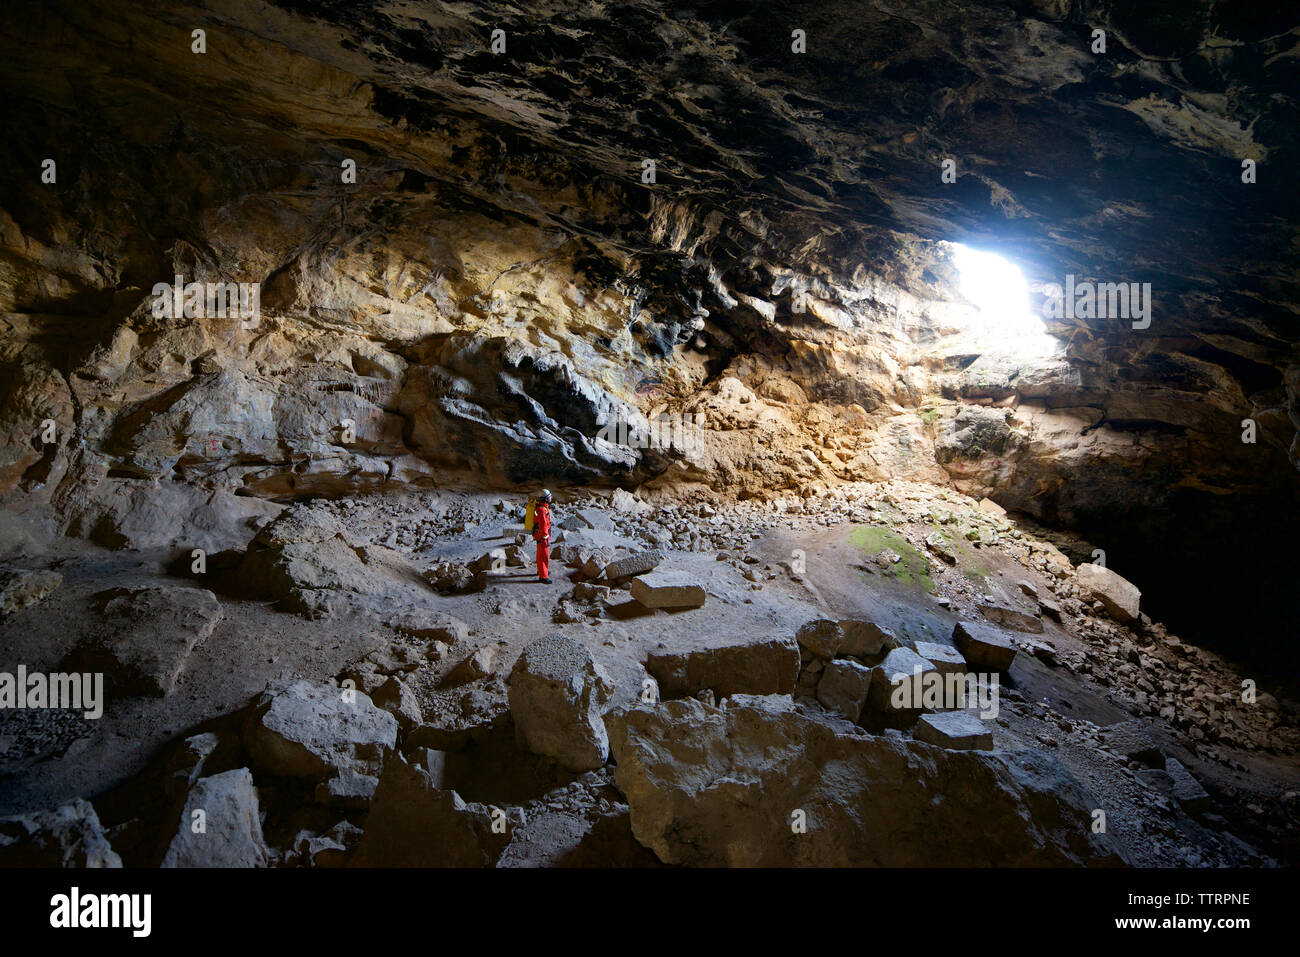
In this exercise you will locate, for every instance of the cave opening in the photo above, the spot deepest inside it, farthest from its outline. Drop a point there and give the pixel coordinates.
(1005, 322)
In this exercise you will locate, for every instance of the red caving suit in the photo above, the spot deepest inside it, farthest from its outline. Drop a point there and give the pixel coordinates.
(542, 533)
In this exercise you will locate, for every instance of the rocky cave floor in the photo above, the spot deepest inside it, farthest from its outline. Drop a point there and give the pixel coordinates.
(401, 598)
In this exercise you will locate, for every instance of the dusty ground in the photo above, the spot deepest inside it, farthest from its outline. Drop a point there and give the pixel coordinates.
(790, 563)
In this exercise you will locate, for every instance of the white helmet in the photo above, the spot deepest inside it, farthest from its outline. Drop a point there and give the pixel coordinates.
(546, 495)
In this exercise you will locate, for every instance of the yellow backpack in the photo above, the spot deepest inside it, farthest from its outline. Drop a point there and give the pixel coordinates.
(528, 516)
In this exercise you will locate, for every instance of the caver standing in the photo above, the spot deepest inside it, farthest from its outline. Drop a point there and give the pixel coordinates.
(542, 535)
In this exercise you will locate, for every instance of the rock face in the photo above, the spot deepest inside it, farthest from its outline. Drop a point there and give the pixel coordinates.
(1119, 596)
(557, 692)
(220, 825)
(146, 635)
(712, 787)
(763, 666)
(67, 836)
(302, 729)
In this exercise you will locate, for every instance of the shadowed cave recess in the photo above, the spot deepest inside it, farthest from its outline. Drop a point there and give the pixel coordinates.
(443, 267)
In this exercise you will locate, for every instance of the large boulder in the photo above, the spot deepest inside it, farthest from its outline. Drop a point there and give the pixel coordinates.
(822, 637)
(143, 637)
(843, 687)
(959, 730)
(638, 564)
(898, 683)
(167, 514)
(1117, 595)
(305, 560)
(305, 729)
(396, 697)
(414, 823)
(557, 691)
(749, 786)
(1132, 740)
(984, 646)
(763, 666)
(454, 578)
(668, 590)
(865, 639)
(66, 836)
(220, 826)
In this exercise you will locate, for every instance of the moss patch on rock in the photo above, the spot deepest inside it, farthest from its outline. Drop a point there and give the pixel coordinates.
(912, 569)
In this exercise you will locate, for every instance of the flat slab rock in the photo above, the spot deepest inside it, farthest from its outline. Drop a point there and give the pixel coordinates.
(638, 564)
(958, 730)
(668, 590)
(947, 659)
(985, 647)
(1011, 617)
(757, 666)
(722, 787)
(145, 635)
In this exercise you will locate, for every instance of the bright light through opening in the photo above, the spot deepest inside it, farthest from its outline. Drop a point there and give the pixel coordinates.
(1006, 324)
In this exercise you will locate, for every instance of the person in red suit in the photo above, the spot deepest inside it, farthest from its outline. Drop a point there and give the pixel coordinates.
(542, 535)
